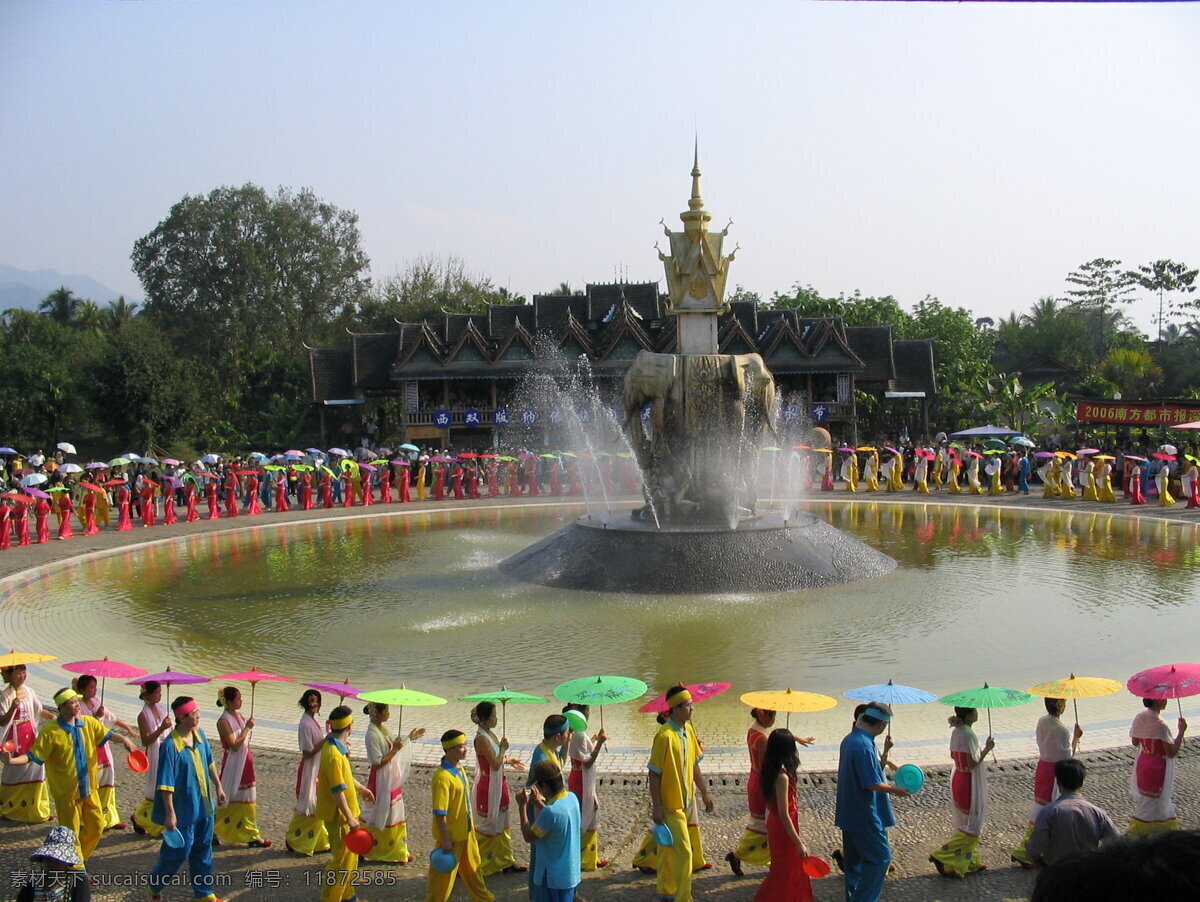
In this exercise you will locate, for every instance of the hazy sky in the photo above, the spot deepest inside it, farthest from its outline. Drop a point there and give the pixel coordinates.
(976, 152)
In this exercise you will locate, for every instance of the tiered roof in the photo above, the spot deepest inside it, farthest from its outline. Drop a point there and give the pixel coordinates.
(610, 324)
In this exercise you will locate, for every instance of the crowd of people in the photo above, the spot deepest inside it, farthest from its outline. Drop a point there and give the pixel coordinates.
(195, 801)
(42, 497)
(1162, 475)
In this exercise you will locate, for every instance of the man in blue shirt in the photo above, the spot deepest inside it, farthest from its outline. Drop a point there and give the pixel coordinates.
(555, 832)
(864, 811)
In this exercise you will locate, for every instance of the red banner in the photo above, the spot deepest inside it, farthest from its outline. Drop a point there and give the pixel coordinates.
(1135, 414)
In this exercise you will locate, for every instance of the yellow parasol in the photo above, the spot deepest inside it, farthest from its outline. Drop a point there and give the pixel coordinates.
(789, 702)
(1076, 688)
(14, 657)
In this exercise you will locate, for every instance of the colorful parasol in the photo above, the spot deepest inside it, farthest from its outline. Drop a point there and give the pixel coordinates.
(1157, 455)
(701, 692)
(987, 697)
(15, 658)
(105, 668)
(504, 695)
(1076, 688)
(1167, 681)
(891, 693)
(1083, 452)
(254, 676)
(789, 702)
(599, 691)
(400, 698)
(342, 690)
(170, 677)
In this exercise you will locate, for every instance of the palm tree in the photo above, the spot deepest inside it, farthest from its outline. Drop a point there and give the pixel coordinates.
(1132, 370)
(119, 311)
(88, 318)
(60, 305)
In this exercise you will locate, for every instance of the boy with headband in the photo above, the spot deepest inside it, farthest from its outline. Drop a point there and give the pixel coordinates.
(674, 772)
(451, 798)
(187, 794)
(66, 748)
(337, 806)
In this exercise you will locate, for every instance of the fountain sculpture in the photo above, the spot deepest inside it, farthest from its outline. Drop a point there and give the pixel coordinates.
(695, 420)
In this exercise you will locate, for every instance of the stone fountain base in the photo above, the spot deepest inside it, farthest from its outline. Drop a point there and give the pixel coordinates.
(761, 555)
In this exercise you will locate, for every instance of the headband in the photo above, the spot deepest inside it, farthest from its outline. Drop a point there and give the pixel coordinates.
(62, 696)
(877, 714)
(341, 723)
(186, 708)
(679, 698)
(460, 739)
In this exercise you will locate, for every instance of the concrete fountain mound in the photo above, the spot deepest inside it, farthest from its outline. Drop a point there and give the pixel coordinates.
(760, 555)
(695, 422)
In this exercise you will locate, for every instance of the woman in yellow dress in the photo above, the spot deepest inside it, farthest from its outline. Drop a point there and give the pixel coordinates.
(307, 834)
(153, 723)
(1104, 486)
(1087, 477)
(23, 795)
(850, 471)
(995, 468)
(385, 817)
(1051, 479)
(1066, 480)
(955, 468)
(1162, 479)
(492, 796)
(106, 788)
(237, 820)
(975, 487)
(871, 470)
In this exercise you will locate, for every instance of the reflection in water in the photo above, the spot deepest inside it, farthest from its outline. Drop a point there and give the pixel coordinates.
(981, 594)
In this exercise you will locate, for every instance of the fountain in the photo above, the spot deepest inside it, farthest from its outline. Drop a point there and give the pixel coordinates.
(695, 421)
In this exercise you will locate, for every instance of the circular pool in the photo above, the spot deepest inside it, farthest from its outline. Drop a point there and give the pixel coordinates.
(1012, 597)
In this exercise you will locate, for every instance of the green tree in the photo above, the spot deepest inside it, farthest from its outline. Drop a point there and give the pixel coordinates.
(1166, 278)
(1102, 287)
(1131, 370)
(427, 287)
(118, 313)
(60, 305)
(40, 362)
(146, 393)
(238, 268)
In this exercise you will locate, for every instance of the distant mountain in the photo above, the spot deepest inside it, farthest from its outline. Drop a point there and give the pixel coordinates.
(22, 288)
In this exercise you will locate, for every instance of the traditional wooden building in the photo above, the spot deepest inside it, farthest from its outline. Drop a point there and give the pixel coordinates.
(456, 376)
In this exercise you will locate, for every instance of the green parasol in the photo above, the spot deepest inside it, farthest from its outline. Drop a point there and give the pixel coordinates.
(504, 695)
(118, 461)
(401, 697)
(600, 691)
(987, 697)
(505, 457)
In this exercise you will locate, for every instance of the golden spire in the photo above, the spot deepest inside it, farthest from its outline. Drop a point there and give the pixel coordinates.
(696, 211)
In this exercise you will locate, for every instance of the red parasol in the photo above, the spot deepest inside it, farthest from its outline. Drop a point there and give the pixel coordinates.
(700, 692)
(91, 486)
(113, 483)
(468, 455)
(20, 499)
(1167, 681)
(1158, 455)
(254, 676)
(105, 668)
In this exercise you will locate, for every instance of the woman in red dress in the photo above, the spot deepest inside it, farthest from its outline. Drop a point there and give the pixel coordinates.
(255, 503)
(493, 479)
(405, 490)
(123, 520)
(574, 486)
(439, 483)
(786, 881)
(89, 514)
(326, 489)
(147, 503)
(65, 508)
(20, 518)
(168, 497)
(231, 493)
(189, 500)
(41, 515)
(531, 476)
(365, 474)
(210, 498)
(555, 479)
(5, 523)
(281, 502)
(456, 480)
(385, 485)
(306, 492)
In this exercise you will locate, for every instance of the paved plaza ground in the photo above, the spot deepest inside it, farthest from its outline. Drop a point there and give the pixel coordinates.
(123, 859)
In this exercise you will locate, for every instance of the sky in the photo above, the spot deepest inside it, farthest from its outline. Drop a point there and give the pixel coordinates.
(977, 152)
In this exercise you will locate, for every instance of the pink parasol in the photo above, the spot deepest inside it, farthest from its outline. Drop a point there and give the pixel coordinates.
(1045, 454)
(170, 676)
(105, 668)
(342, 690)
(1141, 460)
(1167, 681)
(700, 692)
(96, 465)
(974, 454)
(1082, 451)
(254, 676)
(171, 462)
(891, 450)
(36, 493)
(846, 448)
